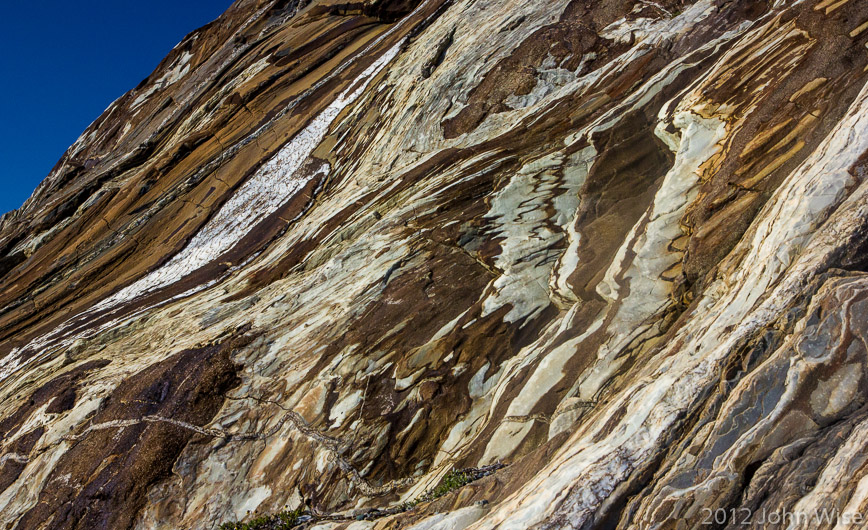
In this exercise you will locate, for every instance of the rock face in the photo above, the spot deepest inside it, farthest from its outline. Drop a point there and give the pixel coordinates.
(328, 252)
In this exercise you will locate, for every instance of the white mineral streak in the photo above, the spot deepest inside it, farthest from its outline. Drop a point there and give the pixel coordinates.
(260, 196)
(10, 364)
(457, 520)
(598, 457)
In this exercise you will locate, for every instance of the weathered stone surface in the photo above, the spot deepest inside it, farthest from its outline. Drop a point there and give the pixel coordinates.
(329, 251)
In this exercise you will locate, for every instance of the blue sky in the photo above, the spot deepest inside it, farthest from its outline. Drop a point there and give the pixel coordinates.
(64, 62)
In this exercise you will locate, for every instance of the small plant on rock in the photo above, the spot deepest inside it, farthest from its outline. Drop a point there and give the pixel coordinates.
(280, 521)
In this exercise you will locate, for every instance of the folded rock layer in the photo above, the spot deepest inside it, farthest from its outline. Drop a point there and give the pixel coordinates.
(329, 252)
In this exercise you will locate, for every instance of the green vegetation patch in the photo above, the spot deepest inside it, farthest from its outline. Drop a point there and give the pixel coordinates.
(455, 479)
(279, 521)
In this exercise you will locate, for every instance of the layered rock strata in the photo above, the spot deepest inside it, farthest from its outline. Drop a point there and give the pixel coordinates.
(329, 252)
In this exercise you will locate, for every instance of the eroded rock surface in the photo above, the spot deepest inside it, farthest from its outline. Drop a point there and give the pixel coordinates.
(330, 251)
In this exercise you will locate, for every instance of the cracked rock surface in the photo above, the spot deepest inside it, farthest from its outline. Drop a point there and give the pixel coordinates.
(329, 252)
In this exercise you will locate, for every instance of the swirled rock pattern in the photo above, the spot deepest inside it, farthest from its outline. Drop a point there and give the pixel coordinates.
(327, 252)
